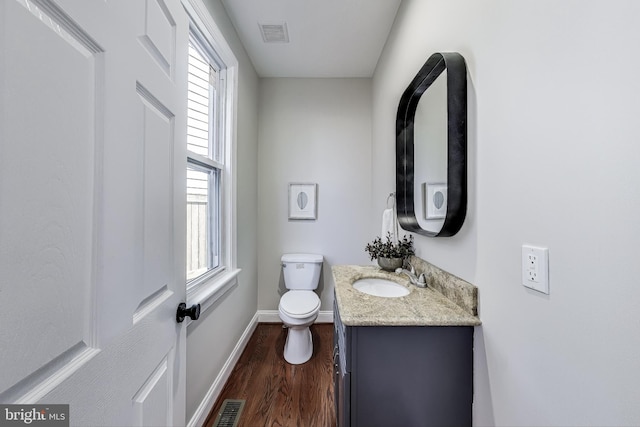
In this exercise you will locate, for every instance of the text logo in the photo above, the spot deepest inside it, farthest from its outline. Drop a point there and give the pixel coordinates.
(34, 415)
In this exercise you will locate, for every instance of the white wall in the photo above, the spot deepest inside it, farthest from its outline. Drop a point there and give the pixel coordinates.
(554, 154)
(211, 339)
(316, 131)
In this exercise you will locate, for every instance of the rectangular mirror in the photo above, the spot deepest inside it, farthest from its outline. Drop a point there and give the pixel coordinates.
(431, 148)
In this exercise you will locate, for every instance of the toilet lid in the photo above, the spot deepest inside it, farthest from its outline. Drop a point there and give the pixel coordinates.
(299, 303)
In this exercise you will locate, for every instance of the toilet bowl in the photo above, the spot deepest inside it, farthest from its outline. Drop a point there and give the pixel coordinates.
(299, 307)
(298, 310)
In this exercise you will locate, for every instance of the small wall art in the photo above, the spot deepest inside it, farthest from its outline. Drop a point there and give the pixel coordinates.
(303, 201)
(435, 198)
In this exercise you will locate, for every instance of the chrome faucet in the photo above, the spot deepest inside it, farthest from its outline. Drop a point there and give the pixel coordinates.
(419, 281)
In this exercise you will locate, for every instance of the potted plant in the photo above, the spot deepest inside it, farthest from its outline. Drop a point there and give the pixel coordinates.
(390, 255)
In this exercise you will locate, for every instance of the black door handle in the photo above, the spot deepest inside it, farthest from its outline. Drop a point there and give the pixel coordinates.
(193, 312)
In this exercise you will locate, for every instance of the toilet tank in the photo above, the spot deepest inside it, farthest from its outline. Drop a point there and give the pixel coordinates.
(301, 271)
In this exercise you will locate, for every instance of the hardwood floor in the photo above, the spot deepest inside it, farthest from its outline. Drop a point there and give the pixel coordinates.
(277, 393)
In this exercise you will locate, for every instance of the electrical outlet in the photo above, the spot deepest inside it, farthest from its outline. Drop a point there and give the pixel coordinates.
(532, 267)
(535, 268)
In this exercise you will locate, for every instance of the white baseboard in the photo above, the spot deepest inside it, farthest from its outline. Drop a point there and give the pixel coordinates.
(272, 316)
(200, 416)
(261, 316)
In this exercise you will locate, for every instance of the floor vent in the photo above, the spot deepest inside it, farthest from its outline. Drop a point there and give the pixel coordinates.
(229, 413)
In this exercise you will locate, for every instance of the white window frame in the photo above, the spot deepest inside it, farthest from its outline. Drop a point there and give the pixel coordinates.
(209, 287)
(213, 162)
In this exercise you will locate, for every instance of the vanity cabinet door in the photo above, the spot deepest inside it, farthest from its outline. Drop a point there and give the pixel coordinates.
(411, 376)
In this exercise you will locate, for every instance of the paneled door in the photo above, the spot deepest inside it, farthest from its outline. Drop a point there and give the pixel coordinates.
(92, 208)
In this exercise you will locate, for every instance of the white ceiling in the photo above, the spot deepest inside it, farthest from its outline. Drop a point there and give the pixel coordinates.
(328, 38)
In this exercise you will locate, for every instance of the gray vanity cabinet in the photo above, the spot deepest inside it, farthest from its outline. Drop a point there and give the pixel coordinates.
(403, 375)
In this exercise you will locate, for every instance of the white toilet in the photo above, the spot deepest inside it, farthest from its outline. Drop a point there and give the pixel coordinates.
(299, 307)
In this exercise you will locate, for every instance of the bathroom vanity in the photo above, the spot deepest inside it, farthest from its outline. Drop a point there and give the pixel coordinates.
(401, 361)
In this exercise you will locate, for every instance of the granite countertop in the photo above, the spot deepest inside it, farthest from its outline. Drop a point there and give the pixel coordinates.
(422, 307)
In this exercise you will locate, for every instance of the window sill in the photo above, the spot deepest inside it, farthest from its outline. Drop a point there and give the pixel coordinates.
(211, 290)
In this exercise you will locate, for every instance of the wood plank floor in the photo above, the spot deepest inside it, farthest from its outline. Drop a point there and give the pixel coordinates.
(277, 393)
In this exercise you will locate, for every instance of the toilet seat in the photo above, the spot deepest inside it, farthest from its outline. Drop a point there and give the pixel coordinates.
(299, 304)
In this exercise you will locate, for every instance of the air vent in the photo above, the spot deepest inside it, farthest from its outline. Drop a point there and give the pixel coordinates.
(274, 33)
(229, 413)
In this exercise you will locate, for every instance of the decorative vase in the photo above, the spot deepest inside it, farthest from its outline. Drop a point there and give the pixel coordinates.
(389, 264)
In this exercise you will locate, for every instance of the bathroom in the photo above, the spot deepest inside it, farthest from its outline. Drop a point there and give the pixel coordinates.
(552, 147)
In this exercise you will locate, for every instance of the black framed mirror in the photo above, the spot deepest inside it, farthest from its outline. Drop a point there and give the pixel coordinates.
(431, 148)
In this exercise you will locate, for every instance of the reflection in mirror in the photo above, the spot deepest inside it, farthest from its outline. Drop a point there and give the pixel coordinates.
(430, 172)
(431, 148)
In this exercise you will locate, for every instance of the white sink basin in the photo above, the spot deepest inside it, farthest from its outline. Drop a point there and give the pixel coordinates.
(380, 288)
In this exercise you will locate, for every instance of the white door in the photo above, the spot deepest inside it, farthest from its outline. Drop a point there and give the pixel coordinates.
(92, 205)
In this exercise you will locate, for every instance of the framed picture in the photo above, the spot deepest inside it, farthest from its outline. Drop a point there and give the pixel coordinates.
(435, 199)
(302, 201)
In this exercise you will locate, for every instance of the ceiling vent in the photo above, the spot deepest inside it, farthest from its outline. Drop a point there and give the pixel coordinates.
(274, 33)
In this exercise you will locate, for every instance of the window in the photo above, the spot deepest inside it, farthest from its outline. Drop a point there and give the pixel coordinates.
(202, 219)
(205, 162)
(210, 224)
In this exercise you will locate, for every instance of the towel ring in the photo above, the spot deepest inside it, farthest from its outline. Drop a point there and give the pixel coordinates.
(391, 196)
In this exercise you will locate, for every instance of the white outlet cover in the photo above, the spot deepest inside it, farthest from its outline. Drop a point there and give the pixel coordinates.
(535, 268)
